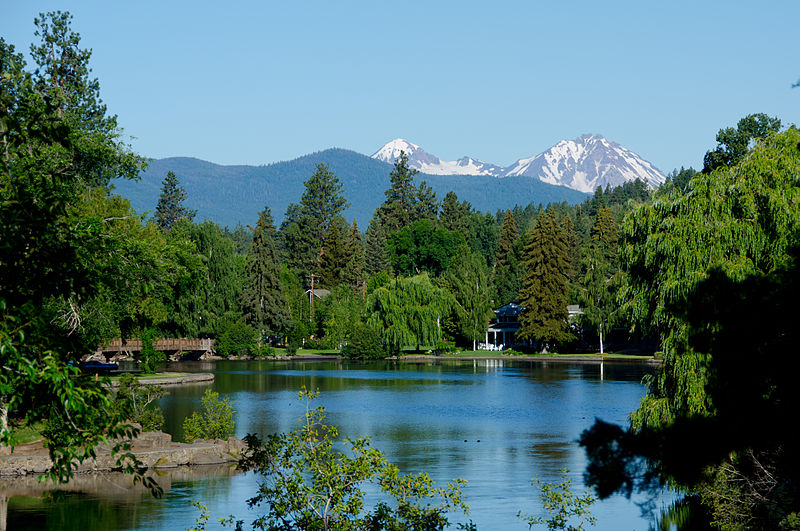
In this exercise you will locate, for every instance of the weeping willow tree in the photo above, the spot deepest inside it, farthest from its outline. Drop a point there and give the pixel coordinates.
(714, 271)
(409, 311)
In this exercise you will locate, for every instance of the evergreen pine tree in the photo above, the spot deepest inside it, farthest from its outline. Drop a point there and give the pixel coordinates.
(304, 236)
(544, 286)
(400, 208)
(455, 214)
(170, 203)
(506, 272)
(263, 304)
(376, 257)
(335, 255)
(426, 206)
(573, 249)
(354, 268)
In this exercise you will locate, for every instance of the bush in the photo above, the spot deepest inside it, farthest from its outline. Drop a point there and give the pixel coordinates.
(444, 347)
(317, 344)
(291, 348)
(235, 338)
(215, 422)
(264, 351)
(138, 401)
(365, 343)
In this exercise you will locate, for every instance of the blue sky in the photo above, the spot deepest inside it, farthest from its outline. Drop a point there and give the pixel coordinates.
(258, 82)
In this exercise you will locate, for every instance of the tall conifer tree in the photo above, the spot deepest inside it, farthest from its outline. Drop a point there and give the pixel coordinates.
(170, 206)
(335, 256)
(400, 208)
(455, 214)
(506, 264)
(305, 236)
(376, 256)
(544, 287)
(354, 268)
(263, 303)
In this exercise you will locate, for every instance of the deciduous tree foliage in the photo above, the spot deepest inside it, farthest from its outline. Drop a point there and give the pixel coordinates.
(310, 484)
(58, 143)
(469, 282)
(714, 271)
(732, 144)
(600, 267)
(423, 246)
(409, 311)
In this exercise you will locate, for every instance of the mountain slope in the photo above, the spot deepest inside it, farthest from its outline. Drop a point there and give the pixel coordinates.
(585, 163)
(236, 194)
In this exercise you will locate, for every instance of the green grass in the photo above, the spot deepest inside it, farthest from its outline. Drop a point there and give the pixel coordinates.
(502, 353)
(154, 376)
(28, 434)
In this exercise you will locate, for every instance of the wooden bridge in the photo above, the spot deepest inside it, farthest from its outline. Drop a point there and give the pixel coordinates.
(174, 348)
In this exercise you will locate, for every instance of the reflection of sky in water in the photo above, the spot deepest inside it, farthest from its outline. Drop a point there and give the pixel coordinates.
(428, 417)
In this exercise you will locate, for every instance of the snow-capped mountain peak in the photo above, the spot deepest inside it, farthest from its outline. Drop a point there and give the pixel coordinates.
(582, 164)
(421, 160)
(587, 162)
(391, 151)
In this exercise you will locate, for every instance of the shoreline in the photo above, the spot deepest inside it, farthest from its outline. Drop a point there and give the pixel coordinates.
(577, 358)
(154, 449)
(166, 381)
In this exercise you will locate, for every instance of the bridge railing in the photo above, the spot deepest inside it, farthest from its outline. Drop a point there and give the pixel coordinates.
(166, 344)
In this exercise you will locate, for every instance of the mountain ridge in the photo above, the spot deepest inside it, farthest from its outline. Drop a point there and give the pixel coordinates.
(231, 194)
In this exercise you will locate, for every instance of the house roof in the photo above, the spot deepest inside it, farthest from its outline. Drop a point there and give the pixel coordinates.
(509, 310)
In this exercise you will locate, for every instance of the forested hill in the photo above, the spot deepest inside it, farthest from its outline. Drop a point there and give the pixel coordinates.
(232, 194)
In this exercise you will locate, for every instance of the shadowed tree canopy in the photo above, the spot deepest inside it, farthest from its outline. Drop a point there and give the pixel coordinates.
(376, 256)
(715, 273)
(455, 214)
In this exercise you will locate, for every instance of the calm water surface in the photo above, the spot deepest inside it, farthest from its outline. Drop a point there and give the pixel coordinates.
(424, 416)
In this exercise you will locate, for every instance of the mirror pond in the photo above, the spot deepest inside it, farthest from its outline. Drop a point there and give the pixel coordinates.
(496, 423)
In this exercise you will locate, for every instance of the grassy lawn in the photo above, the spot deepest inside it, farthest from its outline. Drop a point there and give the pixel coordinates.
(28, 434)
(501, 353)
(152, 376)
(305, 352)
